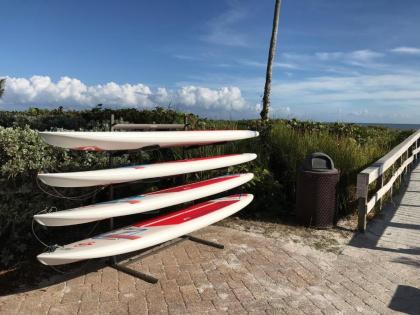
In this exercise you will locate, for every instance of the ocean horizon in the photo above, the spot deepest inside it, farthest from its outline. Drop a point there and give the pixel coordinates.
(392, 126)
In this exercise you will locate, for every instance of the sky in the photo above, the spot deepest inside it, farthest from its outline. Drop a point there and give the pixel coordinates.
(336, 60)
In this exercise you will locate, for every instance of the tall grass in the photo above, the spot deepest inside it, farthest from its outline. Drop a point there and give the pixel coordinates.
(291, 147)
(288, 147)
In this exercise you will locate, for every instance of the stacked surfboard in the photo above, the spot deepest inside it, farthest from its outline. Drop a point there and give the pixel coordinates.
(162, 228)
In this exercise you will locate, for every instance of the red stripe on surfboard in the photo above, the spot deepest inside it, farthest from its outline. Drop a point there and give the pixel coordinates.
(236, 196)
(186, 214)
(194, 185)
(122, 236)
(88, 148)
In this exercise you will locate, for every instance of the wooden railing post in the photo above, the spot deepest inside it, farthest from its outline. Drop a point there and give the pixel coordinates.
(392, 186)
(402, 173)
(362, 217)
(362, 194)
(406, 169)
(379, 185)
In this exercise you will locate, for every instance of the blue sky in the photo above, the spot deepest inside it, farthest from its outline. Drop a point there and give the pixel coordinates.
(336, 60)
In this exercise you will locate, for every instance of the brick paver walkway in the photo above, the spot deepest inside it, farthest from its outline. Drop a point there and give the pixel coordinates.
(254, 274)
(377, 273)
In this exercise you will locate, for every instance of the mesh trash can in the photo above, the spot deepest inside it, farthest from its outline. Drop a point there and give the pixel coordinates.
(316, 191)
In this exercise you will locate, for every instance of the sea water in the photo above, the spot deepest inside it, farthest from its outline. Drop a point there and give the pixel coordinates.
(393, 126)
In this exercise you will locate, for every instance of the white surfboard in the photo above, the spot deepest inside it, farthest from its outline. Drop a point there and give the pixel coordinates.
(101, 141)
(148, 233)
(138, 172)
(142, 203)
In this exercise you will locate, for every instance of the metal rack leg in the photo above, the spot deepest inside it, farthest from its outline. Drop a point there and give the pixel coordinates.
(122, 265)
(204, 242)
(134, 273)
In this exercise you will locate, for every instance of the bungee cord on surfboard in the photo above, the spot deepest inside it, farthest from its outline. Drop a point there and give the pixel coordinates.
(52, 248)
(58, 194)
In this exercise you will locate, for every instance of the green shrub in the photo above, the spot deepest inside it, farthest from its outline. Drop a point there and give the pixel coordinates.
(22, 155)
(280, 153)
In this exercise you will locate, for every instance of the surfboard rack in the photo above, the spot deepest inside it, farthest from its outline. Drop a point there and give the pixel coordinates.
(122, 265)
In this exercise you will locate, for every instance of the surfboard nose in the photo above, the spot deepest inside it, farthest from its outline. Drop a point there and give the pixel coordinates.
(252, 156)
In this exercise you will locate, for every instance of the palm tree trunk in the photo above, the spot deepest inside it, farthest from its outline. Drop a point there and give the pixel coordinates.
(2, 86)
(269, 72)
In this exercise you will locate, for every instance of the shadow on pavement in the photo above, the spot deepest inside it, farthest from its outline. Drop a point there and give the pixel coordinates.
(408, 261)
(379, 228)
(32, 275)
(406, 299)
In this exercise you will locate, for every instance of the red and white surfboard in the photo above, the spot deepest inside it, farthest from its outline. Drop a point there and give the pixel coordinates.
(143, 203)
(148, 233)
(100, 141)
(138, 172)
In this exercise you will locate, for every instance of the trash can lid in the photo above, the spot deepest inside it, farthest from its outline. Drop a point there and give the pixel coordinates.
(319, 162)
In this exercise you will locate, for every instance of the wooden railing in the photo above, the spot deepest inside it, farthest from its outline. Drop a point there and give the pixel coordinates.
(388, 168)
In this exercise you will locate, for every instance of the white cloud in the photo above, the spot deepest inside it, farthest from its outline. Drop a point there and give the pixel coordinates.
(285, 65)
(226, 97)
(275, 111)
(334, 61)
(406, 50)
(360, 113)
(374, 97)
(186, 57)
(365, 55)
(221, 29)
(322, 90)
(327, 56)
(281, 112)
(42, 91)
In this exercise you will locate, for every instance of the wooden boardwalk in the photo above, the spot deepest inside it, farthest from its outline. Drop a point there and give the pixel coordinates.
(397, 227)
(398, 162)
(391, 242)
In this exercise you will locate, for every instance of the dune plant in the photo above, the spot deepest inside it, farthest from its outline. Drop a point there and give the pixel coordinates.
(23, 154)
